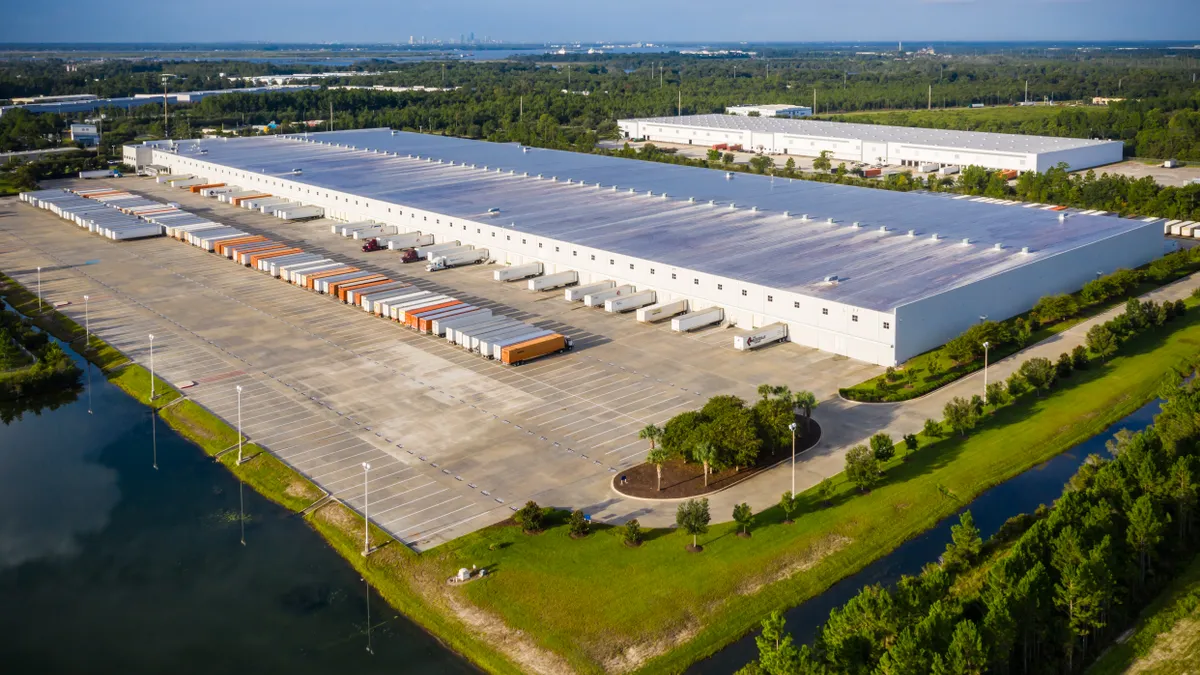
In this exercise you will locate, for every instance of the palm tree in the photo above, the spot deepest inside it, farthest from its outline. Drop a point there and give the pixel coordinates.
(658, 457)
(651, 433)
(765, 391)
(705, 453)
(807, 401)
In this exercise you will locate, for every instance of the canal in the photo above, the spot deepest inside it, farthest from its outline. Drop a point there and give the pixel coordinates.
(1039, 485)
(120, 552)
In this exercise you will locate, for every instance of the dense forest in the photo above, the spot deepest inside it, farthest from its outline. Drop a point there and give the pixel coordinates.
(1048, 592)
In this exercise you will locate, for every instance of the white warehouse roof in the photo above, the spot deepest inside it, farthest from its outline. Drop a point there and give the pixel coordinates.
(752, 232)
(878, 133)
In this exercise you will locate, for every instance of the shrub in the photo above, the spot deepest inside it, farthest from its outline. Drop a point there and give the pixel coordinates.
(1064, 366)
(1016, 385)
(632, 533)
(882, 447)
(862, 468)
(743, 516)
(1039, 373)
(825, 490)
(932, 429)
(530, 517)
(1079, 357)
(960, 415)
(788, 503)
(578, 524)
(996, 393)
(1054, 308)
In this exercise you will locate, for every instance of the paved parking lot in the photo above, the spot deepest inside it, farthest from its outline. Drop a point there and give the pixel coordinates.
(454, 441)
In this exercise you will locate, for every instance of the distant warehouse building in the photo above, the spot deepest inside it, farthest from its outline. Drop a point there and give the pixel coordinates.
(875, 275)
(774, 110)
(875, 143)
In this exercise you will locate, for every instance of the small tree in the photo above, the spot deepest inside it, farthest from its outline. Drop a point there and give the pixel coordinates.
(965, 544)
(882, 447)
(1015, 385)
(743, 516)
(910, 444)
(530, 517)
(706, 454)
(960, 416)
(1079, 357)
(977, 405)
(789, 503)
(862, 468)
(1038, 372)
(692, 517)
(728, 158)
(1064, 366)
(632, 533)
(658, 457)
(714, 155)
(822, 162)
(933, 429)
(825, 491)
(996, 393)
(1101, 341)
(578, 524)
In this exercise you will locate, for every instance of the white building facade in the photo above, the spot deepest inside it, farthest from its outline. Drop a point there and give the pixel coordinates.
(877, 144)
(773, 110)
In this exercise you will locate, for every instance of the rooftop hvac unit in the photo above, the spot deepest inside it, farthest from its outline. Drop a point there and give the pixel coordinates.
(804, 217)
(912, 233)
(831, 279)
(934, 236)
(786, 214)
(663, 195)
(1062, 217)
(831, 221)
(1024, 250)
(728, 175)
(393, 132)
(998, 246)
(883, 229)
(966, 241)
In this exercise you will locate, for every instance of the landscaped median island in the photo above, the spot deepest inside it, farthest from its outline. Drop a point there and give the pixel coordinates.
(569, 598)
(964, 354)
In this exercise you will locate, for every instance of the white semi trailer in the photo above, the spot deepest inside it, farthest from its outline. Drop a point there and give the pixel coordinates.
(753, 339)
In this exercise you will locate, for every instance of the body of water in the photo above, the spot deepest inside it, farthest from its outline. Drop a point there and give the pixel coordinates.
(120, 551)
(1039, 485)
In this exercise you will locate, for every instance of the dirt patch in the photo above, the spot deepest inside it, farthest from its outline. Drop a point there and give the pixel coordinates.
(636, 655)
(681, 480)
(806, 560)
(515, 644)
(1175, 649)
(301, 490)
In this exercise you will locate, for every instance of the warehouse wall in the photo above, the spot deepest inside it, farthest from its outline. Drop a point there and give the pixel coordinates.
(1083, 158)
(930, 322)
(843, 329)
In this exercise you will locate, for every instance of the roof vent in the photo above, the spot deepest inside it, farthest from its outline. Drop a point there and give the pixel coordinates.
(632, 191)
(831, 279)
(934, 236)
(831, 221)
(570, 181)
(966, 241)
(804, 217)
(728, 175)
(649, 193)
(393, 132)
(663, 195)
(712, 202)
(691, 200)
(912, 233)
(786, 214)
(998, 246)
(883, 229)
(1024, 250)
(854, 226)
(754, 209)
(732, 205)
(1062, 217)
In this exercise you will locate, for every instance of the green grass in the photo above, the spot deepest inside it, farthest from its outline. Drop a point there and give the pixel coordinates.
(135, 381)
(8, 184)
(1173, 649)
(200, 426)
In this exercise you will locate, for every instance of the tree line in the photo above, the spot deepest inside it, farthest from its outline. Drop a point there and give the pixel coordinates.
(1048, 592)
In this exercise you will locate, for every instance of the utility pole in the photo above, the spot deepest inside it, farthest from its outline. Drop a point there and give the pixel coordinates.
(443, 75)
(930, 104)
(680, 113)
(521, 115)
(330, 114)
(166, 124)
(814, 101)
(1027, 91)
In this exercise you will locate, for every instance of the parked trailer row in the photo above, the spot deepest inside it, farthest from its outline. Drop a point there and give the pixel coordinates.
(552, 281)
(1182, 228)
(475, 328)
(578, 293)
(697, 319)
(102, 215)
(598, 298)
(630, 302)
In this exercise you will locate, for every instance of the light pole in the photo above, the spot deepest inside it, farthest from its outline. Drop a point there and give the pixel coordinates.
(87, 325)
(367, 585)
(366, 510)
(39, 288)
(239, 429)
(152, 367)
(792, 426)
(985, 367)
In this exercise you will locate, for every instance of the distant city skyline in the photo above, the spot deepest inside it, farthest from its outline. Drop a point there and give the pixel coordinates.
(540, 21)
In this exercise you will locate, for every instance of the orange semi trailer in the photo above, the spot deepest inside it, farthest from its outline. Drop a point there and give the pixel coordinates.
(527, 351)
(198, 188)
(344, 290)
(221, 246)
(312, 278)
(239, 253)
(410, 315)
(335, 288)
(272, 254)
(237, 201)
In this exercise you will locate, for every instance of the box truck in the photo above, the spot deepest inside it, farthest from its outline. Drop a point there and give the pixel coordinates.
(577, 293)
(753, 339)
(663, 310)
(629, 302)
(697, 319)
(521, 352)
(597, 299)
(551, 281)
(518, 272)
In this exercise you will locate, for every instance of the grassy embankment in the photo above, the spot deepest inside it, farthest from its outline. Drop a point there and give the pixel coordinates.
(1166, 640)
(922, 381)
(593, 604)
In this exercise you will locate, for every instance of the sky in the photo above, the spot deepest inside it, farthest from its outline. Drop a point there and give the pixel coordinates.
(604, 20)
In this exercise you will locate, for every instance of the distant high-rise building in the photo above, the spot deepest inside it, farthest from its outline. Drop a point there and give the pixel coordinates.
(472, 36)
(410, 39)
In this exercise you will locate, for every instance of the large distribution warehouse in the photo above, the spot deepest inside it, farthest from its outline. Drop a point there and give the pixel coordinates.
(875, 275)
(875, 143)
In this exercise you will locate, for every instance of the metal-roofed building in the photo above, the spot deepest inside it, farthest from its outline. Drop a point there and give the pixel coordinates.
(876, 143)
(875, 275)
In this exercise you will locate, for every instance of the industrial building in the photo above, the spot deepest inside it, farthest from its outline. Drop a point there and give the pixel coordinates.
(876, 143)
(773, 110)
(87, 134)
(875, 275)
(65, 105)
